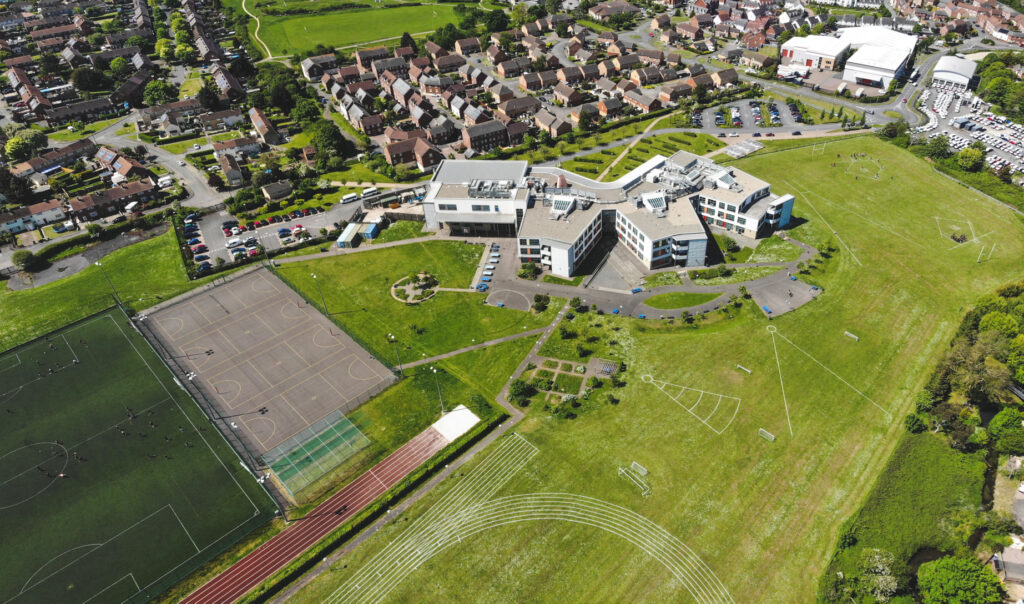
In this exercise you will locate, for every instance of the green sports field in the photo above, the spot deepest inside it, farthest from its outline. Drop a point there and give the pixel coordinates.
(763, 516)
(290, 34)
(150, 490)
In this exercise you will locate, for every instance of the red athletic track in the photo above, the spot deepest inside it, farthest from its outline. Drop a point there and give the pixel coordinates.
(267, 559)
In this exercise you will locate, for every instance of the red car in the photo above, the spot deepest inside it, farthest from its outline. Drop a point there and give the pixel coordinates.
(227, 232)
(254, 251)
(199, 249)
(307, 212)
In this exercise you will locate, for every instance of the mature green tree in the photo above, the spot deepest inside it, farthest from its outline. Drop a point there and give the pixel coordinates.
(325, 136)
(186, 53)
(958, 580)
(496, 20)
(14, 189)
(120, 67)
(24, 260)
(87, 78)
(208, 96)
(164, 48)
(408, 40)
(938, 147)
(18, 149)
(49, 64)
(999, 322)
(970, 160)
(306, 110)
(158, 92)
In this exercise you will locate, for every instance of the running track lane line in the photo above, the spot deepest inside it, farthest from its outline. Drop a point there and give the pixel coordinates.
(273, 555)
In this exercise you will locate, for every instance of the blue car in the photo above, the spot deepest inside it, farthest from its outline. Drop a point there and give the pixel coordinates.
(637, 290)
(283, 231)
(194, 241)
(482, 287)
(201, 257)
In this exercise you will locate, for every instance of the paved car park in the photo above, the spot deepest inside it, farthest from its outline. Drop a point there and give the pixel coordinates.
(211, 231)
(965, 119)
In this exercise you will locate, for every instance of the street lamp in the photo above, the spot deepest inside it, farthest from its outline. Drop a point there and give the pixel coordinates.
(117, 298)
(323, 302)
(438, 384)
(398, 359)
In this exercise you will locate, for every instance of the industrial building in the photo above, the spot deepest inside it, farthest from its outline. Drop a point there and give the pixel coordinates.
(880, 55)
(658, 211)
(954, 73)
(815, 52)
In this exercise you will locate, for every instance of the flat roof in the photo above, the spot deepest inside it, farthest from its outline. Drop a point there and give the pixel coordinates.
(539, 222)
(455, 423)
(874, 35)
(467, 170)
(679, 219)
(878, 57)
(822, 45)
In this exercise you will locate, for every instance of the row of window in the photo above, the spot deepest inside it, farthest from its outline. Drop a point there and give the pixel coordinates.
(451, 207)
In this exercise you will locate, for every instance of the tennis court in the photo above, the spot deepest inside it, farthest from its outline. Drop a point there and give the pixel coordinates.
(274, 368)
(103, 455)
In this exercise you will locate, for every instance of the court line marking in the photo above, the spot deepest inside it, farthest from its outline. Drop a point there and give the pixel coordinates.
(806, 195)
(97, 594)
(781, 384)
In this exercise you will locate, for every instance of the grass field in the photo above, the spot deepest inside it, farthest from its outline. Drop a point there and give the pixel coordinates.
(678, 300)
(745, 273)
(184, 146)
(357, 290)
(662, 144)
(764, 516)
(288, 35)
(574, 282)
(144, 274)
(66, 136)
(145, 498)
(662, 278)
(401, 229)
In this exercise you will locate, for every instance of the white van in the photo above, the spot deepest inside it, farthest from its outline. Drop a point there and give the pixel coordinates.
(370, 191)
(349, 198)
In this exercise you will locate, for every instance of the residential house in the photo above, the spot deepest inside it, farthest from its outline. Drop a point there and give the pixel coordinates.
(220, 120)
(226, 82)
(112, 200)
(276, 190)
(646, 103)
(467, 46)
(610, 107)
(264, 127)
(314, 67)
(486, 136)
(547, 122)
(604, 10)
(567, 95)
(519, 106)
(238, 146)
(233, 175)
(366, 57)
(416, 151)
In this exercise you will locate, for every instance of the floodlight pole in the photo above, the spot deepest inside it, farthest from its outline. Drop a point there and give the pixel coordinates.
(261, 411)
(117, 298)
(323, 302)
(438, 384)
(398, 359)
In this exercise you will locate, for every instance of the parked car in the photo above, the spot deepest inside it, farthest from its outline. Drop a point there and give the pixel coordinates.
(199, 249)
(234, 243)
(201, 257)
(194, 241)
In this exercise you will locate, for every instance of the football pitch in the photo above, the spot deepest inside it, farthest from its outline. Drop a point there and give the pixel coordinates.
(763, 515)
(114, 483)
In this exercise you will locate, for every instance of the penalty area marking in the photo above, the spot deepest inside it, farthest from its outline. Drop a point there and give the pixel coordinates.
(774, 331)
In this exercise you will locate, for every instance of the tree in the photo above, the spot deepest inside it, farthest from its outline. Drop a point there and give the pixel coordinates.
(215, 180)
(24, 260)
(914, 424)
(519, 390)
(87, 78)
(165, 48)
(999, 322)
(120, 67)
(186, 53)
(326, 138)
(306, 110)
(958, 580)
(496, 20)
(938, 147)
(878, 574)
(408, 40)
(18, 149)
(208, 96)
(1005, 174)
(970, 160)
(14, 188)
(49, 64)
(158, 92)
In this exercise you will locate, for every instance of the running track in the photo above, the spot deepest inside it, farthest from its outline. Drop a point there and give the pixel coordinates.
(267, 559)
